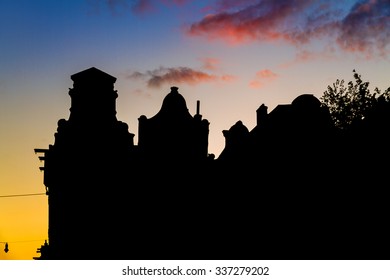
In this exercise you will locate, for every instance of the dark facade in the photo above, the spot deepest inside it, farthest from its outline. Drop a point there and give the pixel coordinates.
(273, 193)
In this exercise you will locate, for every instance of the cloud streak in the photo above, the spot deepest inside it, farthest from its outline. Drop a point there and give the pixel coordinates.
(141, 6)
(354, 26)
(177, 75)
(262, 77)
(210, 63)
(366, 28)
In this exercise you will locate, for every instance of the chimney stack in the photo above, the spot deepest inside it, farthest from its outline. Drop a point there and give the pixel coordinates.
(261, 114)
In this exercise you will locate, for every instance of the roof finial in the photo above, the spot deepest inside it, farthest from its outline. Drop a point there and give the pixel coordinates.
(174, 89)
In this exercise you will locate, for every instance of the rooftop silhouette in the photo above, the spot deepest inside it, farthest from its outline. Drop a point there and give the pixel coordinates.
(293, 187)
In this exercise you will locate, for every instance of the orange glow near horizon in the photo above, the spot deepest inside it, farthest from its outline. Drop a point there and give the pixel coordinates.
(24, 226)
(23, 219)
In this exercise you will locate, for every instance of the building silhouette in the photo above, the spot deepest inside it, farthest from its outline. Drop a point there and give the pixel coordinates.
(274, 192)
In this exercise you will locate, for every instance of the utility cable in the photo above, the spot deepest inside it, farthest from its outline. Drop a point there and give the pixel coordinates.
(17, 195)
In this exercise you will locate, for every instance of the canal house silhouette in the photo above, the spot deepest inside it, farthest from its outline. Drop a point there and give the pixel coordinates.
(272, 193)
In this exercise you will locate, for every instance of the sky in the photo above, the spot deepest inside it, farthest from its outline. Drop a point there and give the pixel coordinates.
(231, 55)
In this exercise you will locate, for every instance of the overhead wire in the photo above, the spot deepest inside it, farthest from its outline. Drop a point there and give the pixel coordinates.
(6, 247)
(17, 195)
(24, 241)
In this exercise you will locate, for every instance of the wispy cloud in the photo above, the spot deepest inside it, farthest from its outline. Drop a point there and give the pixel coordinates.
(142, 93)
(354, 26)
(366, 28)
(176, 75)
(303, 56)
(237, 23)
(210, 63)
(262, 77)
(141, 6)
(135, 6)
(228, 78)
(176, 2)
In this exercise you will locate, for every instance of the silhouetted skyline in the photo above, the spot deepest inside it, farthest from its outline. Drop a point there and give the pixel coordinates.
(281, 52)
(179, 201)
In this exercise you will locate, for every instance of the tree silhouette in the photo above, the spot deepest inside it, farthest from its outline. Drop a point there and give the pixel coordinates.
(350, 104)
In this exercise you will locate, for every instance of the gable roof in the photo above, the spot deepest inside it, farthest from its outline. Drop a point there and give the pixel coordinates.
(92, 74)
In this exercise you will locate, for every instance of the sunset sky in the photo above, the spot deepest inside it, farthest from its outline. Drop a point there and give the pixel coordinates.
(232, 55)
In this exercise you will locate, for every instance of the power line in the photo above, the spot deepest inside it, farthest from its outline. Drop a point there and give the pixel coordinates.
(24, 241)
(17, 195)
(6, 246)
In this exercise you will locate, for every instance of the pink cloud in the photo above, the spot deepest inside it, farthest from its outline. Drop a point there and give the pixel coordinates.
(262, 77)
(228, 78)
(210, 63)
(363, 27)
(303, 56)
(175, 75)
(264, 21)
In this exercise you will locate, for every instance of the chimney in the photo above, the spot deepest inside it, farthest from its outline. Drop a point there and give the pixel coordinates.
(198, 116)
(261, 114)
